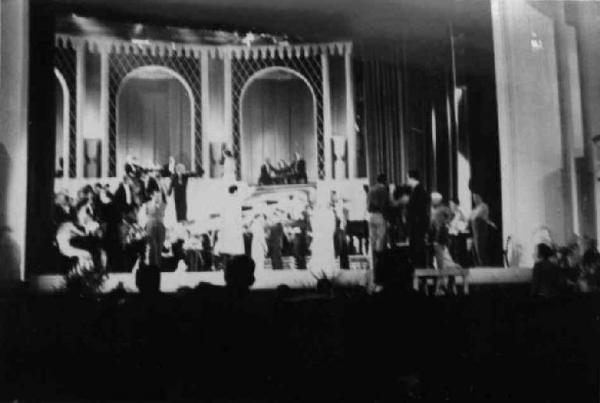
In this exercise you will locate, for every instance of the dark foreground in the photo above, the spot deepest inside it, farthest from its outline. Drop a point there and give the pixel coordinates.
(495, 345)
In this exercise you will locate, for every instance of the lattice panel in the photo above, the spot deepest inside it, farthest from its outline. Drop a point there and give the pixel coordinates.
(310, 67)
(65, 61)
(121, 64)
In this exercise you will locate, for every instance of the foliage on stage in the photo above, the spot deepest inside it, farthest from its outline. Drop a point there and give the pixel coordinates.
(85, 280)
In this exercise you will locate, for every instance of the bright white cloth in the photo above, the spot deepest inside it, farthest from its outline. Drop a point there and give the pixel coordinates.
(259, 243)
(170, 214)
(322, 262)
(231, 239)
(229, 169)
(458, 224)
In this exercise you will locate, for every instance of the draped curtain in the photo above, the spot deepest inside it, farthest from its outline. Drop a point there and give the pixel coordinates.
(382, 121)
(278, 120)
(154, 122)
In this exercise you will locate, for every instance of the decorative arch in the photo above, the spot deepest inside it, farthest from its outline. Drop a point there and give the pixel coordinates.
(265, 72)
(65, 118)
(65, 67)
(186, 68)
(140, 70)
(307, 67)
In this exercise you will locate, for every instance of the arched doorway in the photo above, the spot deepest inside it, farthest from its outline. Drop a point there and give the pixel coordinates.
(61, 152)
(154, 117)
(278, 119)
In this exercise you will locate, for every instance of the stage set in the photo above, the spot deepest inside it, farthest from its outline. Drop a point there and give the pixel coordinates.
(299, 128)
(225, 115)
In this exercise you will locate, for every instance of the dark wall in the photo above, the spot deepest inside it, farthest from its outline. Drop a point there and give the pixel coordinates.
(42, 127)
(476, 71)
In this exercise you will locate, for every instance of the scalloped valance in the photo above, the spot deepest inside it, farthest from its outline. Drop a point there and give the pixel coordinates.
(162, 48)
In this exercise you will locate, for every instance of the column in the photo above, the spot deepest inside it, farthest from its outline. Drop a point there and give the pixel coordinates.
(339, 151)
(65, 119)
(205, 113)
(350, 114)
(505, 127)
(586, 20)
(14, 71)
(80, 91)
(228, 113)
(326, 114)
(228, 106)
(527, 87)
(104, 107)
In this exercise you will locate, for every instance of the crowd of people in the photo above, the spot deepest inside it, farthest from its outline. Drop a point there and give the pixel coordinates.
(125, 229)
(114, 230)
(122, 230)
(295, 227)
(568, 269)
(434, 231)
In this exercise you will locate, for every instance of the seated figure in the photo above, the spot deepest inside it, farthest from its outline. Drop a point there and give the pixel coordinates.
(299, 169)
(266, 173)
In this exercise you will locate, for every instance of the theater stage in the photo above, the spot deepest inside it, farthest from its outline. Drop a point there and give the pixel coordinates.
(295, 279)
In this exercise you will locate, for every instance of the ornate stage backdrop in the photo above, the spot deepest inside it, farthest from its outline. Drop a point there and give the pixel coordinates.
(195, 67)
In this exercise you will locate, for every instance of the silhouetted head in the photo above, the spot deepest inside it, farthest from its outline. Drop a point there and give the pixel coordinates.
(544, 252)
(232, 189)
(239, 273)
(382, 179)
(324, 285)
(403, 194)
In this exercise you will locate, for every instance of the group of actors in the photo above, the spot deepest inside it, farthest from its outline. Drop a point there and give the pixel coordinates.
(436, 232)
(284, 173)
(117, 231)
(114, 230)
(308, 231)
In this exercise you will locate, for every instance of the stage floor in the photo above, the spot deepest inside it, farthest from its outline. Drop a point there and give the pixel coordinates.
(296, 279)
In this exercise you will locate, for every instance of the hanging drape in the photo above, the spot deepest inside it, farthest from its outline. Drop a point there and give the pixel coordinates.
(382, 117)
(154, 121)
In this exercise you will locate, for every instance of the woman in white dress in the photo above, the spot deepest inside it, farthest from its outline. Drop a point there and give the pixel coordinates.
(322, 262)
(230, 239)
(259, 241)
(228, 166)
